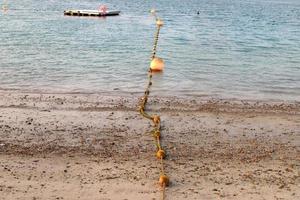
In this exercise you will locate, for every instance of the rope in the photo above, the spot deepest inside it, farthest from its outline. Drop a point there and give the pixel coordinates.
(163, 194)
(160, 153)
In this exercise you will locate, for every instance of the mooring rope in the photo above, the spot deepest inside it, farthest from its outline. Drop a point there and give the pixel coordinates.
(160, 153)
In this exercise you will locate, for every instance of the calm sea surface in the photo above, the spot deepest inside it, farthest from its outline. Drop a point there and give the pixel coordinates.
(231, 49)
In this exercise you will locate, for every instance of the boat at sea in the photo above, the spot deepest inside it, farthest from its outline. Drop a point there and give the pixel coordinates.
(91, 13)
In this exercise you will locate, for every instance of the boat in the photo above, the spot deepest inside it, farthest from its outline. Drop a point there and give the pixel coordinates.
(91, 13)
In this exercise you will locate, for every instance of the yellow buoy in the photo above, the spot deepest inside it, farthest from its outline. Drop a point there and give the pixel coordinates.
(4, 8)
(157, 64)
(163, 180)
(159, 22)
(160, 154)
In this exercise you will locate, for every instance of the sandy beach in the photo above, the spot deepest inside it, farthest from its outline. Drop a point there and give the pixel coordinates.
(92, 146)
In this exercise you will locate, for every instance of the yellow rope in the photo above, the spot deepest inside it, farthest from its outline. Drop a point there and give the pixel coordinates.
(163, 194)
(162, 166)
(160, 154)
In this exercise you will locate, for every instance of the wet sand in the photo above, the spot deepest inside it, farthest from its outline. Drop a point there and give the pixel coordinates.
(91, 146)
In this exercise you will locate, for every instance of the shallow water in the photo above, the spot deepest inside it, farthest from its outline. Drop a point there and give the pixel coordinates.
(232, 49)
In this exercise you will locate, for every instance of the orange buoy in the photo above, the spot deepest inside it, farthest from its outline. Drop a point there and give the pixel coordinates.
(163, 180)
(157, 64)
(160, 154)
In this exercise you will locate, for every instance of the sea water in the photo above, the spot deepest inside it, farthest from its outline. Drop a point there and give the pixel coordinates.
(217, 48)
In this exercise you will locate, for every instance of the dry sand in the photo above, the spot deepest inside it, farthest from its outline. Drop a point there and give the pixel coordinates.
(83, 146)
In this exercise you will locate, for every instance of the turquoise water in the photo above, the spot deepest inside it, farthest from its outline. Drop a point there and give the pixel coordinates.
(231, 49)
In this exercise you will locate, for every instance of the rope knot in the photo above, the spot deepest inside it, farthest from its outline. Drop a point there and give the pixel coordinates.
(156, 119)
(156, 134)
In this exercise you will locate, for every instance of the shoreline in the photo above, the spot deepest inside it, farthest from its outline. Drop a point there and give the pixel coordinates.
(117, 93)
(90, 146)
(156, 103)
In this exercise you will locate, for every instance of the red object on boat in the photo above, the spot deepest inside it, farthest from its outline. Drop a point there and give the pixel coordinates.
(102, 9)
